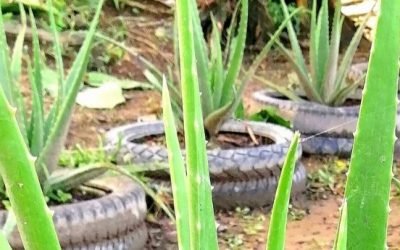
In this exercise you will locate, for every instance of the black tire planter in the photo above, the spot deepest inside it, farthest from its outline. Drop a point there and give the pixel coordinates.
(325, 130)
(240, 177)
(113, 221)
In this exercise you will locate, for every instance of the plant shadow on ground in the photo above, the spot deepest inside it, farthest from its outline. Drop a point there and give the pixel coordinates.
(310, 227)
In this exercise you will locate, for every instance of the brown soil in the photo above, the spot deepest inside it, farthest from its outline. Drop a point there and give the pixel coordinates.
(223, 140)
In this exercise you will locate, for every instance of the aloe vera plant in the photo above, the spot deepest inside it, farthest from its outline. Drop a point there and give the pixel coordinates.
(364, 214)
(370, 173)
(38, 137)
(220, 84)
(43, 132)
(325, 81)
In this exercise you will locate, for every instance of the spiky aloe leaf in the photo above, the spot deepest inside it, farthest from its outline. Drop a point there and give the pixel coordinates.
(36, 129)
(344, 67)
(341, 234)
(5, 72)
(201, 52)
(55, 141)
(304, 81)
(177, 172)
(370, 173)
(37, 60)
(217, 69)
(322, 46)
(277, 226)
(201, 216)
(342, 95)
(312, 52)
(15, 68)
(69, 178)
(58, 56)
(32, 215)
(237, 56)
(298, 55)
(230, 33)
(332, 65)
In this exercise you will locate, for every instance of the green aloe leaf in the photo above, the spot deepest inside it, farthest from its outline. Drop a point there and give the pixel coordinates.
(298, 54)
(230, 33)
(237, 56)
(36, 130)
(201, 215)
(305, 82)
(73, 83)
(277, 226)
(341, 235)
(201, 52)
(23, 188)
(322, 43)
(344, 67)
(5, 72)
(370, 173)
(58, 56)
(177, 172)
(332, 65)
(217, 67)
(66, 179)
(15, 68)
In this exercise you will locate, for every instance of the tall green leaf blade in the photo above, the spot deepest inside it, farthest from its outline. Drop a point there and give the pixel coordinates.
(313, 54)
(37, 61)
(332, 65)
(237, 56)
(341, 234)
(277, 226)
(370, 173)
(230, 31)
(5, 72)
(201, 216)
(34, 219)
(201, 53)
(217, 68)
(305, 82)
(298, 54)
(58, 56)
(16, 65)
(322, 36)
(36, 130)
(344, 67)
(177, 172)
(73, 82)
(66, 179)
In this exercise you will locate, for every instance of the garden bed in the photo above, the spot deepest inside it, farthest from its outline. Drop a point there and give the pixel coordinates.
(242, 228)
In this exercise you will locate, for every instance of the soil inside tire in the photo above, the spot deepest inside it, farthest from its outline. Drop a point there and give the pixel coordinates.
(79, 194)
(224, 140)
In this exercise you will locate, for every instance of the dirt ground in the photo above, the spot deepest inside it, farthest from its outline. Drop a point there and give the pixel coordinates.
(312, 228)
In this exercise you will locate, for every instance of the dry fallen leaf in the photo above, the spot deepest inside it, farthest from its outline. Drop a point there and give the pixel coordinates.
(107, 96)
